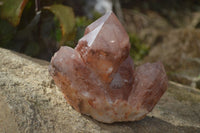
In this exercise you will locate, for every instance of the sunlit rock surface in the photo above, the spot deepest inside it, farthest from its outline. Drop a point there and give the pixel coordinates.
(98, 77)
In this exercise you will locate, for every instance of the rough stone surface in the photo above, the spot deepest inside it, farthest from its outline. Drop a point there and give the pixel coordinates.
(33, 104)
(98, 77)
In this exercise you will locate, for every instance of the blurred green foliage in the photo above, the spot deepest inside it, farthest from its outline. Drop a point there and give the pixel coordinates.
(138, 48)
(12, 10)
(66, 17)
(41, 33)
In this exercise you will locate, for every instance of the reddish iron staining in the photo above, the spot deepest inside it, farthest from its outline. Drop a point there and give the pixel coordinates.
(98, 77)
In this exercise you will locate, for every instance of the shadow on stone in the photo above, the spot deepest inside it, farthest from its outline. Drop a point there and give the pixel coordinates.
(147, 125)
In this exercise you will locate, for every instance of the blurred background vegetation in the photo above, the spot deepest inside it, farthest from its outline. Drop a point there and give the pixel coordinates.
(39, 27)
(159, 30)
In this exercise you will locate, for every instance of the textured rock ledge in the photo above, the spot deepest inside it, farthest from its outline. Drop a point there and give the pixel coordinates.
(32, 103)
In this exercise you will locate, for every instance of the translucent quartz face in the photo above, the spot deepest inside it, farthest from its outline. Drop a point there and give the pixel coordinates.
(104, 46)
(98, 77)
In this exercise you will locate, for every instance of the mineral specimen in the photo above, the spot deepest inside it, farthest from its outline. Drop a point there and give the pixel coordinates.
(98, 77)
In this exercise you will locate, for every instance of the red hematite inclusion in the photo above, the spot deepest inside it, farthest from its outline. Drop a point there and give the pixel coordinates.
(98, 77)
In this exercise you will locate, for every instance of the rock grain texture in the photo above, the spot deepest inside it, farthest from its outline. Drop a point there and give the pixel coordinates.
(33, 104)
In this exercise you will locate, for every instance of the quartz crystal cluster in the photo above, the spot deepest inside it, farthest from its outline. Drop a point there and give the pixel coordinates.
(98, 77)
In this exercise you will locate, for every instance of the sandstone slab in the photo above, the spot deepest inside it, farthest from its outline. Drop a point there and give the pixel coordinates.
(37, 105)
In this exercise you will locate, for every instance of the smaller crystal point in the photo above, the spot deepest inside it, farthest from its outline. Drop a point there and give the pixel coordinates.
(98, 77)
(150, 83)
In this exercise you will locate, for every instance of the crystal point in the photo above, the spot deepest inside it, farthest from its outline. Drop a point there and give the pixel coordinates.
(98, 77)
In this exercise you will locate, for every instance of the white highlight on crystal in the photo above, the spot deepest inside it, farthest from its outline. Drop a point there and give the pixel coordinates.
(86, 94)
(109, 70)
(125, 80)
(72, 56)
(112, 41)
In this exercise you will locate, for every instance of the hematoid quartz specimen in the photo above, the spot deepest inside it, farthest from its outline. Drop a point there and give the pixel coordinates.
(98, 77)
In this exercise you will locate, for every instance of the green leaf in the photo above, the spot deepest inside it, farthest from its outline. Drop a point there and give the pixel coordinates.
(12, 10)
(66, 18)
(138, 48)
